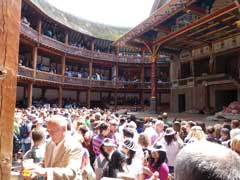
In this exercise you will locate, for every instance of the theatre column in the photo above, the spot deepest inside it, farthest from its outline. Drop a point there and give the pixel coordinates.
(212, 61)
(66, 38)
(60, 94)
(34, 56)
(63, 67)
(90, 70)
(39, 26)
(9, 38)
(153, 99)
(29, 94)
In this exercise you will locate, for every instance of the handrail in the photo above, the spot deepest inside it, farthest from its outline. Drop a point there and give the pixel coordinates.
(104, 56)
(73, 50)
(102, 83)
(130, 59)
(50, 42)
(77, 81)
(77, 51)
(25, 71)
(41, 75)
(29, 32)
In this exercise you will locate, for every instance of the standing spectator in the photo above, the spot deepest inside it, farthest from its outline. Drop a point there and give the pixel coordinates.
(103, 159)
(63, 155)
(157, 161)
(98, 139)
(173, 144)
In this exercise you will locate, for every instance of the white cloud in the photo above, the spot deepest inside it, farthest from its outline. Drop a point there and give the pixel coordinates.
(127, 13)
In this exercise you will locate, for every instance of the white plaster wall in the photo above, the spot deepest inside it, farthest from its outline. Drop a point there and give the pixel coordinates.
(165, 98)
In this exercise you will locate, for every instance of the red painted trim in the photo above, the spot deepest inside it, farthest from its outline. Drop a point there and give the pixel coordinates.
(197, 23)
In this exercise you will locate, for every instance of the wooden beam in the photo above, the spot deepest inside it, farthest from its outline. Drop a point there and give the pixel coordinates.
(202, 21)
(195, 10)
(9, 46)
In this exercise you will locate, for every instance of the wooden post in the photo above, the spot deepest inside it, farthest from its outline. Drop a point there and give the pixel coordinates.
(39, 26)
(9, 38)
(29, 94)
(63, 67)
(212, 63)
(142, 73)
(192, 67)
(66, 38)
(60, 94)
(153, 100)
(92, 45)
(90, 70)
(34, 55)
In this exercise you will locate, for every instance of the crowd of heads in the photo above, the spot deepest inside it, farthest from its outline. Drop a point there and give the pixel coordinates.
(117, 144)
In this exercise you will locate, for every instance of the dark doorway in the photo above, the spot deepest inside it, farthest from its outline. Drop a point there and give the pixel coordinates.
(224, 98)
(181, 103)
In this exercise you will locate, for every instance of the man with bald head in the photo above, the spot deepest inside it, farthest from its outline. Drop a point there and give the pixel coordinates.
(63, 154)
(207, 161)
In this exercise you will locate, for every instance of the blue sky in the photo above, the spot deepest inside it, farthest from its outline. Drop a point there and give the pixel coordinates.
(123, 13)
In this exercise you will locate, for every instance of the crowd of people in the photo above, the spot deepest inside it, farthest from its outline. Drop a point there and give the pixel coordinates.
(86, 143)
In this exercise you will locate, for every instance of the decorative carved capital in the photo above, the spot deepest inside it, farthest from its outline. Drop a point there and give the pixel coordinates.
(154, 58)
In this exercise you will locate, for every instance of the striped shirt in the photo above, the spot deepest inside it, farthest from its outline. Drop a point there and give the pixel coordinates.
(96, 143)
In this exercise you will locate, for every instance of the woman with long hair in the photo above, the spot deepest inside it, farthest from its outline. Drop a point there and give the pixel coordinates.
(102, 161)
(117, 164)
(157, 162)
(134, 161)
(173, 144)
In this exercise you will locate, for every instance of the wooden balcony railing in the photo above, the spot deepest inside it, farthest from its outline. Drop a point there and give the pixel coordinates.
(73, 50)
(163, 85)
(76, 51)
(186, 81)
(50, 42)
(40, 75)
(29, 32)
(25, 71)
(77, 81)
(129, 84)
(211, 78)
(100, 83)
(104, 56)
(130, 59)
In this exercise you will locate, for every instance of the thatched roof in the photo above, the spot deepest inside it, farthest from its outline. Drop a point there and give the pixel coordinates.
(97, 30)
(157, 4)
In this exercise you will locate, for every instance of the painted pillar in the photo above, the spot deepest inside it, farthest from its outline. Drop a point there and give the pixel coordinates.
(9, 38)
(153, 99)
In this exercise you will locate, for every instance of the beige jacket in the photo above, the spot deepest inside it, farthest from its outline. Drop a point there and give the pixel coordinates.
(67, 162)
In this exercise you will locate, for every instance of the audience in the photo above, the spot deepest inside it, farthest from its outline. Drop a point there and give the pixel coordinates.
(95, 143)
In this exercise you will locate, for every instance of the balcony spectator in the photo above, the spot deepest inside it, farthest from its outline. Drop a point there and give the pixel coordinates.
(79, 75)
(40, 67)
(25, 21)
